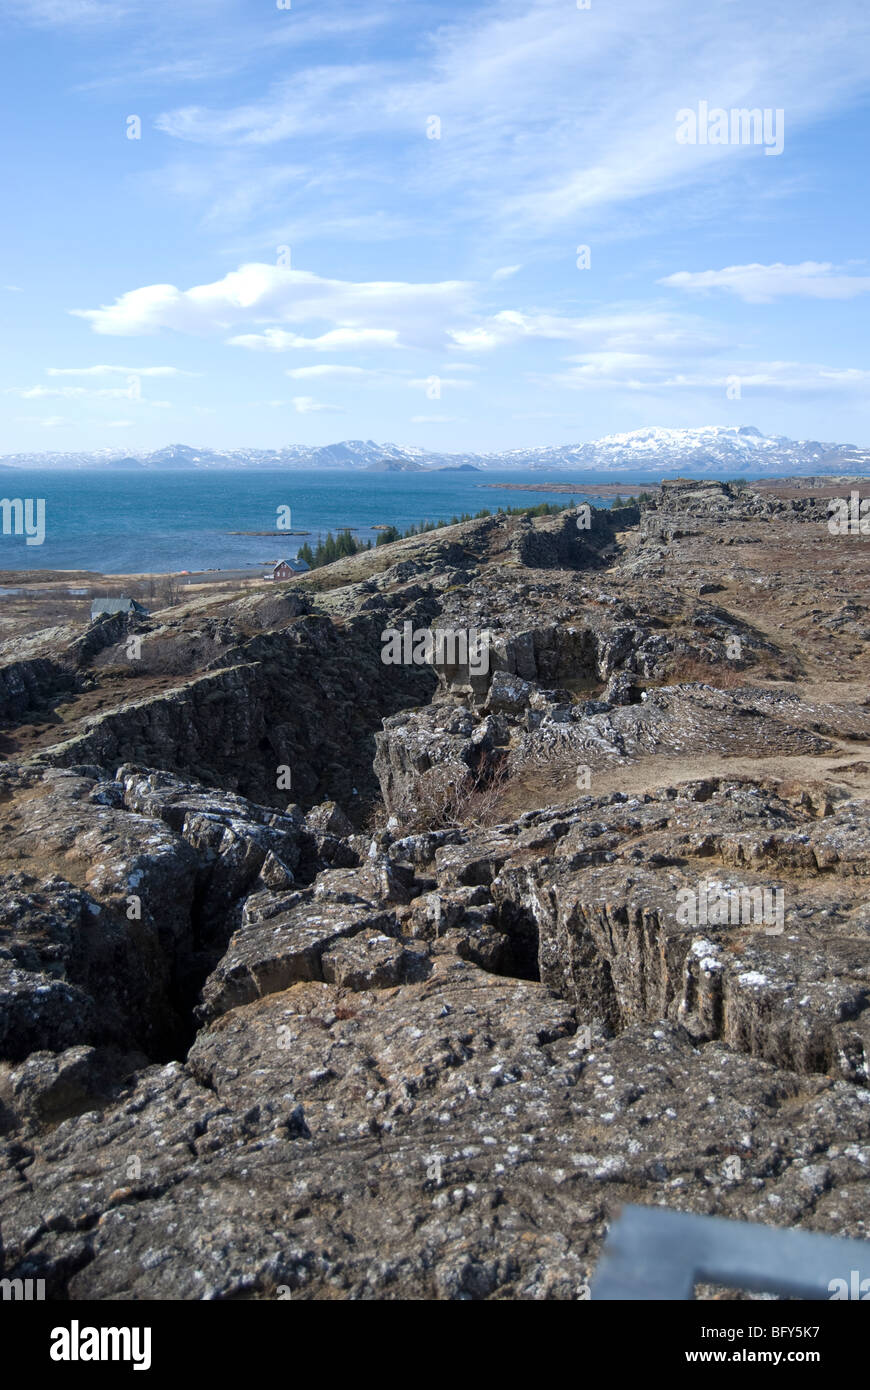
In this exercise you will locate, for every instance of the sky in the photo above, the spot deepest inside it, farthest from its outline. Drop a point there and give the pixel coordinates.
(455, 225)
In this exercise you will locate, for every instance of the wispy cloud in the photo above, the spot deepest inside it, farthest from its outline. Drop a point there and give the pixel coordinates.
(131, 392)
(106, 370)
(335, 372)
(314, 101)
(358, 376)
(759, 284)
(279, 340)
(617, 330)
(55, 14)
(46, 422)
(306, 405)
(69, 393)
(771, 379)
(453, 256)
(533, 124)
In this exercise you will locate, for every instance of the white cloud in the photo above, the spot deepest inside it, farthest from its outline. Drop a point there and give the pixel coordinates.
(759, 284)
(337, 339)
(117, 371)
(616, 330)
(360, 376)
(333, 371)
(35, 393)
(505, 272)
(375, 313)
(131, 392)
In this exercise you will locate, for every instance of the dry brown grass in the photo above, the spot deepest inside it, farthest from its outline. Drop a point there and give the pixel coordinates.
(694, 671)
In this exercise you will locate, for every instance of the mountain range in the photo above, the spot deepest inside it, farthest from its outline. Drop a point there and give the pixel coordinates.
(709, 451)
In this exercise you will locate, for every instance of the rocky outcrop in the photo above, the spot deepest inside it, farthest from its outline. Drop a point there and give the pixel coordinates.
(31, 685)
(253, 1045)
(449, 1139)
(680, 502)
(297, 712)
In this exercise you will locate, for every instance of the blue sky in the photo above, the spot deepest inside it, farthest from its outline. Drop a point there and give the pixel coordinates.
(296, 250)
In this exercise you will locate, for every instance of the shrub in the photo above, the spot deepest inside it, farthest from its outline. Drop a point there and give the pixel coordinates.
(446, 797)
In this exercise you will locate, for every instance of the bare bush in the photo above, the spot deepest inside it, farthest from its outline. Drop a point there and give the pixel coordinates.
(169, 592)
(446, 797)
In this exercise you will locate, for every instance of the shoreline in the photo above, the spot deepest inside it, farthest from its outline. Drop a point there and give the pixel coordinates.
(61, 579)
(587, 489)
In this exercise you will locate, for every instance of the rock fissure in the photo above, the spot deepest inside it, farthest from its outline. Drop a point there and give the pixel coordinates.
(516, 944)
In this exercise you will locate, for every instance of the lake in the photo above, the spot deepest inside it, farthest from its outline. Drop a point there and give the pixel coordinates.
(117, 522)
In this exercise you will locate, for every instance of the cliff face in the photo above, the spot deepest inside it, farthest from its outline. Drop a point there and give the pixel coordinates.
(221, 703)
(511, 947)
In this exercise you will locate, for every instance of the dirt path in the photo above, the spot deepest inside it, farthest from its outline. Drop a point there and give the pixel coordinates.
(847, 769)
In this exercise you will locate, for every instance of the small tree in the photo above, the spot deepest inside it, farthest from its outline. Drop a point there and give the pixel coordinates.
(387, 536)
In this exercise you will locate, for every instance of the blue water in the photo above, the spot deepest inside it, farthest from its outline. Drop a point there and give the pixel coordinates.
(117, 522)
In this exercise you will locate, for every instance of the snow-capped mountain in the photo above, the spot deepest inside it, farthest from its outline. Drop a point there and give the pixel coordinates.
(711, 450)
(723, 451)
